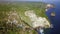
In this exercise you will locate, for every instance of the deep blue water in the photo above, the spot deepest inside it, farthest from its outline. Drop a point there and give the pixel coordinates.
(54, 20)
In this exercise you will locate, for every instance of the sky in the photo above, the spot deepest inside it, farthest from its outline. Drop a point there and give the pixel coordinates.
(30, 0)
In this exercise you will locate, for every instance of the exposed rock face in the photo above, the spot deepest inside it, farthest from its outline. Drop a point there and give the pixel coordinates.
(49, 6)
(37, 21)
(52, 14)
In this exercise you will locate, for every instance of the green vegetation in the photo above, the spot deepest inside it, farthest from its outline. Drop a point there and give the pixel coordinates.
(20, 8)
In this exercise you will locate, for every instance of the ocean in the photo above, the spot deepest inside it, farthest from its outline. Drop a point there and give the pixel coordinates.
(56, 19)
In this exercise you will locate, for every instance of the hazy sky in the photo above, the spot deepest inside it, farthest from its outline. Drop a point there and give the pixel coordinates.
(29, 0)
